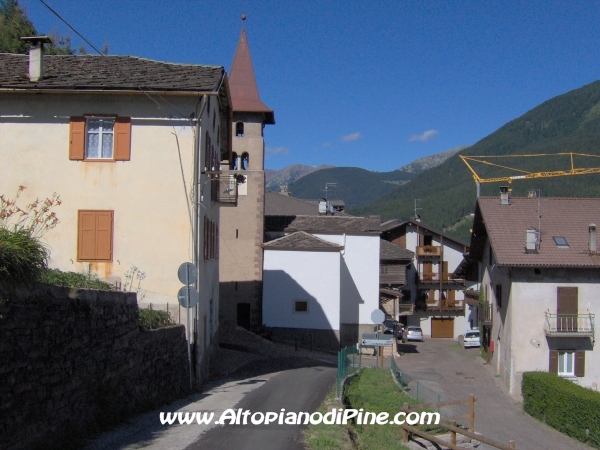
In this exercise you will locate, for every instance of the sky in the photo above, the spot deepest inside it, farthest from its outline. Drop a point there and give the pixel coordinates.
(371, 84)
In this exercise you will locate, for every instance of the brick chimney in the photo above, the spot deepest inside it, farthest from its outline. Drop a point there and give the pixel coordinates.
(36, 56)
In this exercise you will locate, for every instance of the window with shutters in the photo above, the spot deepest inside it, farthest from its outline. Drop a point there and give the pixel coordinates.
(100, 138)
(95, 235)
(567, 363)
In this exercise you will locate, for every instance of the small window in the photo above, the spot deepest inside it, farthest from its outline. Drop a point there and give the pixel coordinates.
(95, 236)
(383, 269)
(566, 363)
(560, 241)
(300, 306)
(428, 239)
(245, 161)
(99, 138)
(499, 296)
(239, 129)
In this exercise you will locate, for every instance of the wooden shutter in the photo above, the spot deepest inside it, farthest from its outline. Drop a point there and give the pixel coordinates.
(580, 363)
(122, 139)
(566, 305)
(553, 364)
(77, 138)
(444, 270)
(95, 236)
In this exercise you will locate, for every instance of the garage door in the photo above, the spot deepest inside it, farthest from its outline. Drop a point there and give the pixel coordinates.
(442, 328)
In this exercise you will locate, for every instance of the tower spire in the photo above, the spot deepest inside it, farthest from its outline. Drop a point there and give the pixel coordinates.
(242, 82)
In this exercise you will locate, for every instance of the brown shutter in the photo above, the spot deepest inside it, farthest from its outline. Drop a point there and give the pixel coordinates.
(77, 138)
(86, 241)
(553, 365)
(580, 363)
(104, 235)
(122, 139)
(445, 271)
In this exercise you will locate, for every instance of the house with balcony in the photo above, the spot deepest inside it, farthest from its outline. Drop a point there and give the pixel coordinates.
(133, 147)
(433, 296)
(538, 267)
(393, 263)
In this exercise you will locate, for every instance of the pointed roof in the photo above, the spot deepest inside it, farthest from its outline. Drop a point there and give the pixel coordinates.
(242, 83)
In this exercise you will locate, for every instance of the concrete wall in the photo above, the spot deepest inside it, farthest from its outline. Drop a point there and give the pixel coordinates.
(74, 361)
(150, 194)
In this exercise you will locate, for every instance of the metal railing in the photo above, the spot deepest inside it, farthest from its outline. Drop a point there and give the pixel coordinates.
(568, 325)
(484, 312)
(349, 361)
(228, 188)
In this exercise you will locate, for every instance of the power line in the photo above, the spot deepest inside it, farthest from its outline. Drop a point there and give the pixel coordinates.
(69, 25)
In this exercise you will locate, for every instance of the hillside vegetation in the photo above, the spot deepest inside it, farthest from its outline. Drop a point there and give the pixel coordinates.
(567, 123)
(357, 187)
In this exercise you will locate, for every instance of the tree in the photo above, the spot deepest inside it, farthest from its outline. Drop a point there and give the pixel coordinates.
(14, 24)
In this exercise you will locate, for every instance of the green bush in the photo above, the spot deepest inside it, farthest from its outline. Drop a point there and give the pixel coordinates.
(74, 280)
(565, 406)
(22, 257)
(150, 319)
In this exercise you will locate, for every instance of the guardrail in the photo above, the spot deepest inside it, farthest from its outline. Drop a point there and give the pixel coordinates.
(569, 325)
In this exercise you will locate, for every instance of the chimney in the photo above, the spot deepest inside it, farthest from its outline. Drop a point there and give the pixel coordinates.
(533, 193)
(323, 207)
(504, 195)
(531, 240)
(36, 56)
(592, 240)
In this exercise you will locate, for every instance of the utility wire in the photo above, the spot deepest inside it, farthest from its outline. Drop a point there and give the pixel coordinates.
(74, 30)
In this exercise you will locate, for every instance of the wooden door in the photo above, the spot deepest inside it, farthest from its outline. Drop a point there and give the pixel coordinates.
(566, 307)
(442, 328)
(427, 271)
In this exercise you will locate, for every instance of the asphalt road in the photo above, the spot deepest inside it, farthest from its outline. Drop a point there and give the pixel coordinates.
(297, 390)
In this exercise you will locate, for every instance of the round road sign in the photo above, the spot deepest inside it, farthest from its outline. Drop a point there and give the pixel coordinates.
(188, 292)
(187, 273)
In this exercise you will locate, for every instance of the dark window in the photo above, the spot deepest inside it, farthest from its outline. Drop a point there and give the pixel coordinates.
(239, 129)
(428, 239)
(301, 306)
(234, 164)
(491, 255)
(245, 161)
(499, 296)
(560, 241)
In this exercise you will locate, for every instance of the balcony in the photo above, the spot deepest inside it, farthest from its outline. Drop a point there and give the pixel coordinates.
(472, 297)
(445, 305)
(484, 312)
(406, 309)
(447, 280)
(228, 189)
(429, 251)
(569, 325)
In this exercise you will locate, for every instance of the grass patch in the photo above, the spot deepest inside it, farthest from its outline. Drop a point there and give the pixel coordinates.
(74, 280)
(375, 391)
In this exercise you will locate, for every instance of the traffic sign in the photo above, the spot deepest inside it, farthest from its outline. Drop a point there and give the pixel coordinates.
(377, 342)
(188, 292)
(377, 316)
(187, 273)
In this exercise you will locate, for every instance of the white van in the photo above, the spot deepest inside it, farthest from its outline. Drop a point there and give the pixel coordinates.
(471, 338)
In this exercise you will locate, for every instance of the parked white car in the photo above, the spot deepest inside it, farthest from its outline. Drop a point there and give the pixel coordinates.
(471, 338)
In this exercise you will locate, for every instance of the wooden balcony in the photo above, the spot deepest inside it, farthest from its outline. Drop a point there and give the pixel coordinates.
(569, 325)
(406, 309)
(445, 305)
(472, 297)
(485, 313)
(447, 281)
(429, 251)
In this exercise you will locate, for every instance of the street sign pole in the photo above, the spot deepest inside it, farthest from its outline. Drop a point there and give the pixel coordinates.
(187, 307)
(188, 298)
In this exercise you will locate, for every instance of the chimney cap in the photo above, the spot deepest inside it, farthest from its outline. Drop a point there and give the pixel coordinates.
(35, 39)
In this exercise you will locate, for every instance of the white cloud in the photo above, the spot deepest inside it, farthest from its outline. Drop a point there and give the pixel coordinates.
(277, 150)
(352, 137)
(424, 137)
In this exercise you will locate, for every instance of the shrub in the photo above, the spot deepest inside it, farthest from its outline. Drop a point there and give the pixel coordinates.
(150, 319)
(74, 280)
(22, 257)
(565, 406)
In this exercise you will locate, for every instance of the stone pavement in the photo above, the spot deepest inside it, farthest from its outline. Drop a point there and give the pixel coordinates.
(443, 366)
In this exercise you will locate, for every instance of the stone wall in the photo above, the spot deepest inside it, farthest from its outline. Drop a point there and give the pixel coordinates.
(74, 361)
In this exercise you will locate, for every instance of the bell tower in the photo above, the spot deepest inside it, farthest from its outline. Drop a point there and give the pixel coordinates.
(242, 227)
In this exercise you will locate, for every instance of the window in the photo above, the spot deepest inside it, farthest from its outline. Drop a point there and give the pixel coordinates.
(560, 241)
(100, 138)
(499, 296)
(490, 256)
(428, 239)
(300, 306)
(245, 161)
(383, 269)
(239, 129)
(95, 236)
(567, 363)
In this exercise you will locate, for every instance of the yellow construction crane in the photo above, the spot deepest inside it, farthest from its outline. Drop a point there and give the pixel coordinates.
(524, 174)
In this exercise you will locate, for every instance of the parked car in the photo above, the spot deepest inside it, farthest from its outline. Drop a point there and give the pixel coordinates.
(471, 338)
(389, 326)
(412, 333)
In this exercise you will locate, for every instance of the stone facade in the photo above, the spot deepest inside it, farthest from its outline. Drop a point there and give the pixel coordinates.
(75, 361)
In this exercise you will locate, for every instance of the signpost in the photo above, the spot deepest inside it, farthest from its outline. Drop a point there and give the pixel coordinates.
(188, 297)
(378, 317)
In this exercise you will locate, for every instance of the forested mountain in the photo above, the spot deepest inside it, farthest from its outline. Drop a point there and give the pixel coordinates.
(446, 193)
(357, 187)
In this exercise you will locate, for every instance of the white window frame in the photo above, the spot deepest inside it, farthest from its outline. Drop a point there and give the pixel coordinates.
(101, 133)
(563, 360)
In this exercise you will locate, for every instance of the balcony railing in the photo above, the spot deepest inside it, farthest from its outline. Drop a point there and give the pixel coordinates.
(484, 313)
(228, 188)
(406, 309)
(445, 305)
(434, 278)
(569, 325)
(429, 250)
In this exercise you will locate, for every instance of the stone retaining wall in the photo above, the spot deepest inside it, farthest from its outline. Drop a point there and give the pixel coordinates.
(74, 361)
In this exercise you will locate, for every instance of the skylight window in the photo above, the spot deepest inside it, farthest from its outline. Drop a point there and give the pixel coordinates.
(560, 241)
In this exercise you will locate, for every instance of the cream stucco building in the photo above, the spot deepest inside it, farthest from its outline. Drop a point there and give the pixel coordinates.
(133, 147)
(540, 286)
